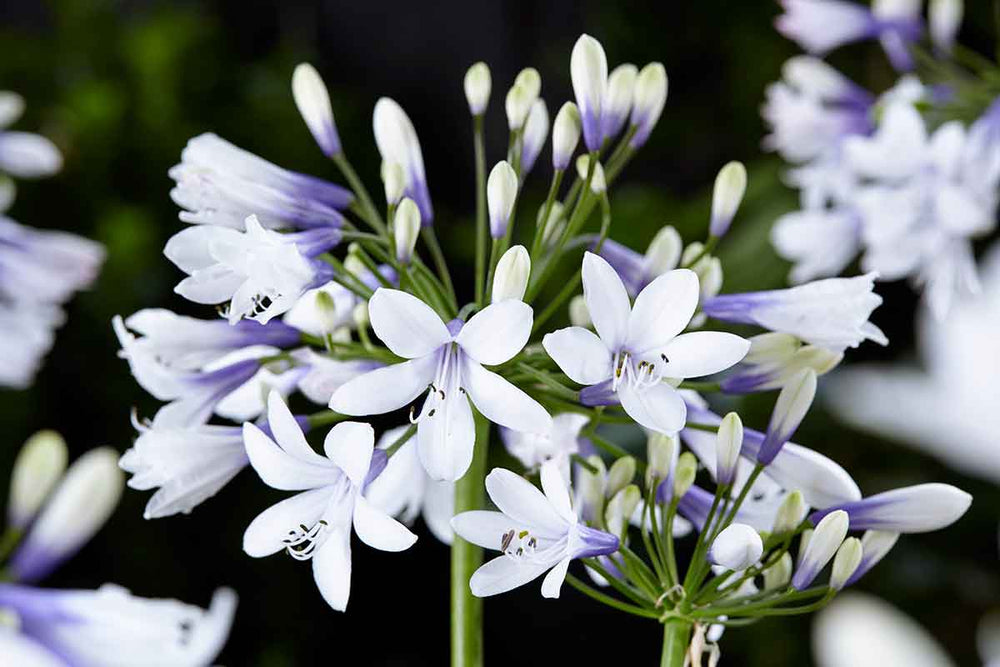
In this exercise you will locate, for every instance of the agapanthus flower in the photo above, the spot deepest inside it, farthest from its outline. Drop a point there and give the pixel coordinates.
(534, 532)
(638, 346)
(316, 523)
(447, 359)
(558, 444)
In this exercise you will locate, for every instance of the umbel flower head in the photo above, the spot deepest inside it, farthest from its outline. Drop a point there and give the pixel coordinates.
(374, 322)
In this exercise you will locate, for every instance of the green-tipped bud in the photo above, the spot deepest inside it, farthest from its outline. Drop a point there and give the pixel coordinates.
(621, 473)
(326, 309)
(728, 443)
(597, 183)
(360, 315)
(522, 96)
(778, 575)
(845, 562)
(620, 508)
(354, 266)
(406, 229)
(660, 452)
(730, 186)
(579, 316)
(37, 469)
(511, 278)
(478, 84)
(804, 538)
(687, 468)
(565, 135)
(664, 251)
(790, 514)
(553, 229)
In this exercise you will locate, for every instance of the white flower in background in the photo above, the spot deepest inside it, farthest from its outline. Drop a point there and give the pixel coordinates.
(22, 154)
(637, 271)
(316, 523)
(220, 184)
(261, 273)
(324, 375)
(959, 363)
(558, 444)
(404, 489)
(638, 346)
(449, 360)
(110, 626)
(534, 532)
(77, 508)
(37, 469)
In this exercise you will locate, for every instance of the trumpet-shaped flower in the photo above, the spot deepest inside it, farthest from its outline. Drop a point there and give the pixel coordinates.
(316, 523)
(637, 346)
(534, 531)
(448, 359)
(111, 626)
(220, 184)
(913, 509)
(261, 273)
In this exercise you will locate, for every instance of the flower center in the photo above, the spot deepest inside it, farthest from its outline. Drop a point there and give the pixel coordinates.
(522, 546)
(447, 380)
(638, 375)
(302, 542)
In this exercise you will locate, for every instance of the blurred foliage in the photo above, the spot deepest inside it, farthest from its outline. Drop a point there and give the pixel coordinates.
(121, 86)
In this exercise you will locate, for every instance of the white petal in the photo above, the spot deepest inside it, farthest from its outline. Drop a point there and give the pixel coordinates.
(445, 440)
(287, 431)
(497, 332)
(385, 389)
(607, 300)
(554, 579)
(662, 310)
(280, 469)
(556, 488)
(503, 574)
(379, 530)
(20, 650)
(350, 446)
(658, 407)
(439, 508)
(27, 155)
(701, 353)
(580, 354)
(190, 249)
(524, 503)
(264, 535)
(484, 528)
(332, 569)
(503, 403)
(407, 325)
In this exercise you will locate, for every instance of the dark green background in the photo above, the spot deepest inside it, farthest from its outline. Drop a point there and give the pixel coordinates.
(121, 86)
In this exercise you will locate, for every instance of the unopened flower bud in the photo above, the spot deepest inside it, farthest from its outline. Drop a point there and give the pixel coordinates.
(394, 182)
(313, 101)
(945, 19)
(590, 488)
(660, 452)
(555, 225)
(406, 229)
(728, 443)
(648, 100)
(821, 547)
(522, 96)
(597, 183)
(565, 135)
(875, 544)
(793, 403)
(37, 468)
(737, 547)
(617, 99)
(355, 266)
(710, 278)
(589, 72)
(790, 513)
(511, 278)
(536, 130)
(804, 537)
(687, 468)
(478, 84)
(501, 194)
(664, 252)
(620, 474)
(579, 316)
(326, 311)
(845, 562)
(360, 315)
(778, 575)
(730, 186)
(79, 506)
(620, 508)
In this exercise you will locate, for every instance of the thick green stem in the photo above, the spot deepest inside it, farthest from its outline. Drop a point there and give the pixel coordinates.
(676, 637)
(466, 609)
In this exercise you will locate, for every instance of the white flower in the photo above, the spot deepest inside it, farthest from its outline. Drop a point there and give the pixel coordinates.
(558, 444)
(534, 532)
(637, 347)
(316, 523)
(110, 626)
(398, 143)
(449, 360)
(325, 375)
(737, 547)
(262, 273)
(405, 490)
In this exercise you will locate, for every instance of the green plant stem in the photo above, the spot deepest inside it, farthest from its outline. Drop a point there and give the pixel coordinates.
(8, 541)
(371, 216)
(430, 238)
(676, 637)
(543, 223)
(480, 209)
(608, 600)
(467, 609)
(325, 418)
(494, 258)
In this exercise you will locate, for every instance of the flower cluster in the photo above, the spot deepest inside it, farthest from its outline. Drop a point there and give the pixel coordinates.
(378, 328)
(39, 269)
(52, 511)
(907, 178)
